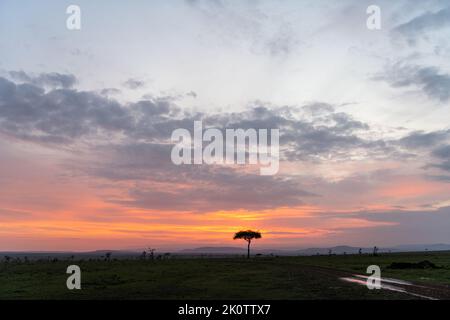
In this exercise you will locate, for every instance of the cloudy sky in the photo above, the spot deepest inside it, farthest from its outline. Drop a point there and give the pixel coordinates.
(86, 118)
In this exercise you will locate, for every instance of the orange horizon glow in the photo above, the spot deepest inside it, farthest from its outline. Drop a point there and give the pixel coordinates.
(74, 216)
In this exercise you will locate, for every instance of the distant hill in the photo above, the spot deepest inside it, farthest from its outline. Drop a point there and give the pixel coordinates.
(241, 250)
(214, 250)
(315, 251)
(334, 250)
(124, 254)
(422, 247)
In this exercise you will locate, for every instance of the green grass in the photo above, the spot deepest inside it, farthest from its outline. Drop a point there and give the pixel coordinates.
(230, 278)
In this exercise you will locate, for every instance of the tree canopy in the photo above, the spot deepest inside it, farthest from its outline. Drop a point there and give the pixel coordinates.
(247, 235)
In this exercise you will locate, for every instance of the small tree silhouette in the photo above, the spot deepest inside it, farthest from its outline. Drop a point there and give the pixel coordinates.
(247, 235)
(375, 251)
(151, 251)
(107, 256)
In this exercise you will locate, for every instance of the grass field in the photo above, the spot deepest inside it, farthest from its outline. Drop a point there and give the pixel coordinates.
(214, 278)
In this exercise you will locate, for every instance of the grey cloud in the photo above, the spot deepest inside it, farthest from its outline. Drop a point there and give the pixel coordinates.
(235, 192)
(420, 139)
(316, 109)
(345, 123)
(443, 166)
(64, 115)
(153, 108)
(283, 42)
(141, 157)
(161, 185)
(52, 80)
(192, 94)
(6, 214)
(132, 162)
(442, 152)
(409, 227)
(60, 115)
(435, 84)
(134, 84)
(421, 223)
(333, 134)
(434, 142)
(311, 131)
(109, 91)
(148, 165)
(423, 23)
(261, 31)
(28, 112)
(442, 178)
(222, 189)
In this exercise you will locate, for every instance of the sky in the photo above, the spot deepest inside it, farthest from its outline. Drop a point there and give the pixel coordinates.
(86, 118)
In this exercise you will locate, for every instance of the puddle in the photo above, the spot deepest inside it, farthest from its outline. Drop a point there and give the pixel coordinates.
(387, 285)
(388, 280)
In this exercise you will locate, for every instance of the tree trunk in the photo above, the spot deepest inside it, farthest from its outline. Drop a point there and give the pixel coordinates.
(248, 250)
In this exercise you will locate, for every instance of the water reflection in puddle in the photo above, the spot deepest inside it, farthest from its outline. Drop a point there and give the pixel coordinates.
(386, 284)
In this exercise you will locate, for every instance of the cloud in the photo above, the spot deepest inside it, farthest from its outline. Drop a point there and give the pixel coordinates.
(420, 139)
(430, 80)
(8, 214)
(249, 24)
(427, 225)
(134, 84)
(110, 91)
(443, 166)
(57, 116)
(52, 80)
(161, 185)
(426, 22)
(129, 144)
(433, 143)
(220, 190)
(192, 94)
(443, 178)
(310, 132)
(313, 131)
(442, 152)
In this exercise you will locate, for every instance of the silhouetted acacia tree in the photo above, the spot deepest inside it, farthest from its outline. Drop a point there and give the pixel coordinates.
(247, 235)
